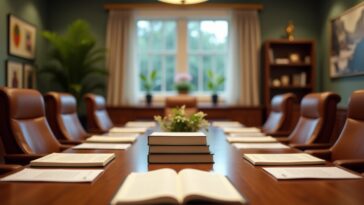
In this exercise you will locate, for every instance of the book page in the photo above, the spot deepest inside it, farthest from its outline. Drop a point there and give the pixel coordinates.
(310, 173)
(251, 139)
(128, 129)
(210, 186)
(54, 175)
(111, 139)
(152, 187)
(272, 159)
(73, 159)
(260, 146)
(178, 134)
(101, 146)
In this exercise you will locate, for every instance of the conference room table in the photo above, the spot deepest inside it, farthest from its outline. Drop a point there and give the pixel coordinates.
(255, 185)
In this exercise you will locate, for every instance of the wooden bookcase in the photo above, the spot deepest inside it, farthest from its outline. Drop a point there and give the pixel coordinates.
(289, 67)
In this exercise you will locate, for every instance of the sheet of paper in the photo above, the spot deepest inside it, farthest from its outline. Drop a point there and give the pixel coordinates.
(310, 173)
(101, 146)
(54, 175)
(128, 130)
(119, 134)
(283, 159)
(241, 130)
(251, 139)
(177, 134)
(226, 124)
(247, 134)
(74, 159)
(260, 146)
(143, 124)
(111, 139)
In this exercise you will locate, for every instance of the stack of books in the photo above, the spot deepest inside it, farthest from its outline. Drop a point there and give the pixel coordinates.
(178, 147)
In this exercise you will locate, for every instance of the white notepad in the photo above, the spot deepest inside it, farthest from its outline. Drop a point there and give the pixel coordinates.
(110, 139)
(178, 134)
(101, 146)
(74, 160)
(251, 139)
(54, 175)
(260, 146)
(120, 134)
(128, 130)
(223, 124)
(283, 159)
(143, 124)
(247, 134)
(241, 130)
(310, 173)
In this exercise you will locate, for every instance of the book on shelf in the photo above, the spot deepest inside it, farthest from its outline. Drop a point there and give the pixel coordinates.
(139, 130)
(260, 146)
(143, 124)
(188, 185)
(177, 138)
(258, 139)
(175, 149)
(101, 146)
(283, 61)
(283, 159)
(299, 79)
(54, 175)
(271, 55)
(111, 139)
(284, 173)
(181, 158)
(73, 160)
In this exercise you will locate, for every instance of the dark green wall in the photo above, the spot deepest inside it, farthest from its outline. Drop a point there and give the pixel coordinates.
(33, 11)
(342, 86)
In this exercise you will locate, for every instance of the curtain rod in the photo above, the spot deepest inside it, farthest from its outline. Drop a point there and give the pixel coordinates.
(120, 6)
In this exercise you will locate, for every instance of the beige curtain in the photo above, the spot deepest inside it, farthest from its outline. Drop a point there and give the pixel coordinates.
(119, 58)
(246, 42)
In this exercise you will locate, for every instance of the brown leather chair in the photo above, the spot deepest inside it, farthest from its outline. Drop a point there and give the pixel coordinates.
(98, 120)
(348, 151)
(280, 119)
(190, 103)
(61, 112)
(5, 168)
(24, 127)
(316, 122)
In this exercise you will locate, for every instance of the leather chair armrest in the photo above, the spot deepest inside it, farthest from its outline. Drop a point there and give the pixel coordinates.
(70, 142)
(284, 140)
(310, 146)
(352, 164)
(4, 168)
(320, 153)
(64, 147)
(22, 159)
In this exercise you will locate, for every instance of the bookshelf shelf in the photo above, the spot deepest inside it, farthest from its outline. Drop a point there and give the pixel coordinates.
(289, 66)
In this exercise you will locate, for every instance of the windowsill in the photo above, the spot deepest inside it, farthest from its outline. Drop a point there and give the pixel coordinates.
(159, 99)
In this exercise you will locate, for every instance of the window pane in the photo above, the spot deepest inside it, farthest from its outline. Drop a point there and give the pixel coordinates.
(170, 35)
(193, 35)
(207, 65)
(193, 64)
(170, 69)
(157, 65)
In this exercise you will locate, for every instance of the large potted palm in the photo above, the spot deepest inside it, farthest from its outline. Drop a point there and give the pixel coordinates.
(74, 61)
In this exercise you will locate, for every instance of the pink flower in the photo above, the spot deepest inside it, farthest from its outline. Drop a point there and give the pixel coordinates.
(182, 77)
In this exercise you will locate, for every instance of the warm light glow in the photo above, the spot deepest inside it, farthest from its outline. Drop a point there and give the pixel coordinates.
(183, 1)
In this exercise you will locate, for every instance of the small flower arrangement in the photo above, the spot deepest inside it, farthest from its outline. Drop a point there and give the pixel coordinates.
(183, 82)
(178, 121)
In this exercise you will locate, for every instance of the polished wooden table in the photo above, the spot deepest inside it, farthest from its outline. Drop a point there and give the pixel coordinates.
(252, 182)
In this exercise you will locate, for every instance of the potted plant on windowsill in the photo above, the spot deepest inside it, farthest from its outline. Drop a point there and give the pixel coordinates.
(183, 83)
(148, 82)
(215, 81)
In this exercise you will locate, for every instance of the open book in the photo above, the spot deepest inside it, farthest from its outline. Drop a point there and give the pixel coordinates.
(73, 160)
(310, 173)
(186, 186)
(110, 139)
(283, 159)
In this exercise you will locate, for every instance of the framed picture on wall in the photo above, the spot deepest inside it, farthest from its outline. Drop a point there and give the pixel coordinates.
(14, 74)
(347, 43)
(29, 76)
(21, 38)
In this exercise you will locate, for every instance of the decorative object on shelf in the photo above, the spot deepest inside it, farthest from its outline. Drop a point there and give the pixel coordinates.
(215, 81)
(75, 62)
(22, 38)
(285, 80)
(276, 82)
(29, 76)
(347, 43)
(183, 83)
(294, 58)
(307, 60)
(178, 121)
(290, 30)
(148, 82)
(14, 74)
(183, 2)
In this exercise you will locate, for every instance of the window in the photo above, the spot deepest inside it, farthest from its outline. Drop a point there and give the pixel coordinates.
(183, 45)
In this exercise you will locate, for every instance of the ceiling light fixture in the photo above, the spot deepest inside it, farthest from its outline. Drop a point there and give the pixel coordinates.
(183, 2)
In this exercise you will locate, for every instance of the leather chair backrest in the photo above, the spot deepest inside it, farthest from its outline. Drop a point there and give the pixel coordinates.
(61, 111)
(317, 118)
(98, 119)
(23, 119)
(190, 103)
(281, 115)
(350, 144)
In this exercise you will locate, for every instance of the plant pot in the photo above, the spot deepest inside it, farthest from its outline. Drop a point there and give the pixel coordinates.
(148, 99)
(215, 99)
(183, 92)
